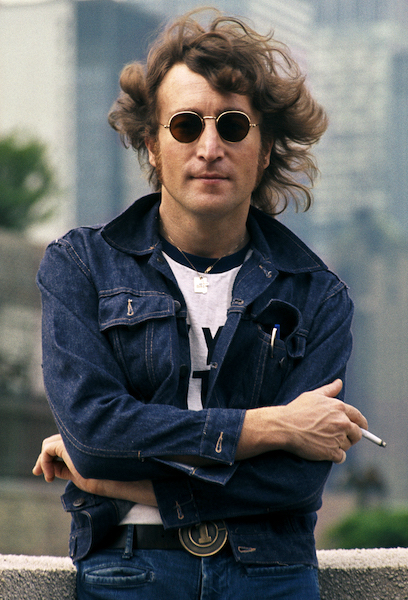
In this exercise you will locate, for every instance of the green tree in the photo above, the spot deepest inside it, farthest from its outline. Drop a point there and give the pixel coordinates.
(25, 178)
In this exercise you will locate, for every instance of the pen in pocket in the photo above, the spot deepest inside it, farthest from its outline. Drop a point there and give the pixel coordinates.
(275, 335)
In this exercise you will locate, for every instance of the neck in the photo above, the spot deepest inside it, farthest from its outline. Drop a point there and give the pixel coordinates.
(212, 241)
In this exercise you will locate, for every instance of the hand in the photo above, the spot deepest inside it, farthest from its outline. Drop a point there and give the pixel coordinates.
(322, 427)
(315, 426)
(47, 464)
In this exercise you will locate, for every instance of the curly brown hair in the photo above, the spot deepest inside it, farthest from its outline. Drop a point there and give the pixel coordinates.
(233, 58)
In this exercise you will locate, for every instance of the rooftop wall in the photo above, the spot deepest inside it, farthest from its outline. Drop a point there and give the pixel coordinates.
(378, 574)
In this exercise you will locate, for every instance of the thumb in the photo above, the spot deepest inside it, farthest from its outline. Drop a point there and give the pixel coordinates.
(331, 390)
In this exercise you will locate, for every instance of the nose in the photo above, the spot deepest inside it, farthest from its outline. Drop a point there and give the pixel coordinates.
(210, 145)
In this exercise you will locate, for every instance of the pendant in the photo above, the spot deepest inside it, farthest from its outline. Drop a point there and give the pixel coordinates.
(200, 285)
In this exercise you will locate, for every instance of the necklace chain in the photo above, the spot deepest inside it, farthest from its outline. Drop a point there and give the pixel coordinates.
(210, 268)
(200, 282)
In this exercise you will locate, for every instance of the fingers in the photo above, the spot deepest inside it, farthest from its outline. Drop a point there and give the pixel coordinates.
(357, 420)
(52, 447)
(43, 467)
(353, 431)
(37, 469)
(355, 416)
(342, 459)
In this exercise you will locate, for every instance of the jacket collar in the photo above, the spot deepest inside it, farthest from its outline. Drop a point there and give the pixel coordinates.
(136, 232)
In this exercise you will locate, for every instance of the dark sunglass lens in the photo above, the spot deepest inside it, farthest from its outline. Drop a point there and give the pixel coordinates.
(233, 127)
(185, 127)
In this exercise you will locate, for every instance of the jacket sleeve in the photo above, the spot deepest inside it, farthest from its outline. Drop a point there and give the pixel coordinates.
(276, 481)
(108, 432)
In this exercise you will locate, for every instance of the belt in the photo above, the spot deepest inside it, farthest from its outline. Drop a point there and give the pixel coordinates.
(204, 539)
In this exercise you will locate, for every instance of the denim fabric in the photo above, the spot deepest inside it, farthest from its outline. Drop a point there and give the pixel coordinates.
(176, 575)
(116, 366)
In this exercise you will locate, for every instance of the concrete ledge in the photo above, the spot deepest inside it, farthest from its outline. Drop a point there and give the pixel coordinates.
(378, 574)
(36, 578)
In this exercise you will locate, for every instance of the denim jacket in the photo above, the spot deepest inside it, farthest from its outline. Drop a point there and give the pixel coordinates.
(116, 366)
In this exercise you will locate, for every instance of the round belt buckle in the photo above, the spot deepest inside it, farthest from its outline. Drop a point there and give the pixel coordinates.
(204, 539)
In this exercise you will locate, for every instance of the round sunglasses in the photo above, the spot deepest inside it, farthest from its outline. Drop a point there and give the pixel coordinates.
(187, 126)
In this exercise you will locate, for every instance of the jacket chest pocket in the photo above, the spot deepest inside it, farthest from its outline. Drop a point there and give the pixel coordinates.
(267, 346)
(282, 343)
(141, 328)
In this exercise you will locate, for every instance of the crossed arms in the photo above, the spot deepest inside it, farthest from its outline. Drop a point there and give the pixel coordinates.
(315, 426)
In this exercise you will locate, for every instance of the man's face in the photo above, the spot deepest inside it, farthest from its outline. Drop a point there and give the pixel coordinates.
(208, 178)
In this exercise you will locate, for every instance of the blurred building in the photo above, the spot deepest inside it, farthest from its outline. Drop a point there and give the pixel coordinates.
(359, 71)
(290, 22)
(371, 254)
(168, 9)
(108, 34)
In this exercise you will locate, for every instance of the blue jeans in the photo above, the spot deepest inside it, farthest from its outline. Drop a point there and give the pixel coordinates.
(177, 575)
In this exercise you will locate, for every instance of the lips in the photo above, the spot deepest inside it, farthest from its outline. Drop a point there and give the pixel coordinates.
(210, 176)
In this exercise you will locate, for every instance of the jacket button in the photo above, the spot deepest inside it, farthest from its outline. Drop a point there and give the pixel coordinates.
(183, 371)
(177, 305)
(282, 363)
(78, 502)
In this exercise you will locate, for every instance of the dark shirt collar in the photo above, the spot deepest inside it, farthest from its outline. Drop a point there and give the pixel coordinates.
(201, 263)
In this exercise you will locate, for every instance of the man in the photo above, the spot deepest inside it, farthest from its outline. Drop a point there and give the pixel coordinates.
(194, 348)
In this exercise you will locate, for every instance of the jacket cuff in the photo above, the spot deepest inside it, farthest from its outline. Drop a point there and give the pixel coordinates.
(176, 503)
(221, 434)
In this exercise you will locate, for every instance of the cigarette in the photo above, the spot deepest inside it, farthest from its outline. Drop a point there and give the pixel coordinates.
(373, 438)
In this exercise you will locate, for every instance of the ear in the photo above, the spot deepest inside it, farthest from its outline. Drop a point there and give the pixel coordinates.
(267, 156)
(151, 145)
